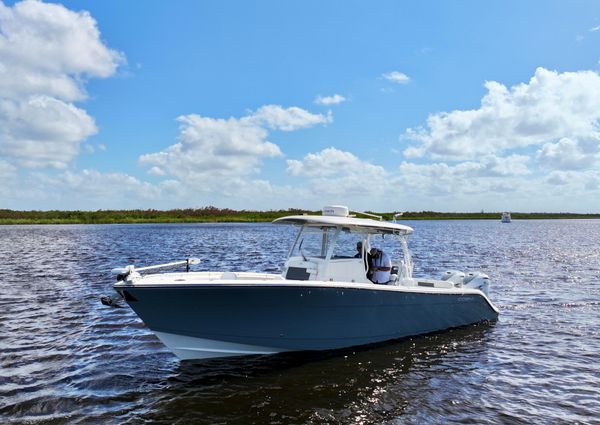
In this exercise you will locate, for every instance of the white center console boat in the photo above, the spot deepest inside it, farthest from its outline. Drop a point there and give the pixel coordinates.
(324, 299)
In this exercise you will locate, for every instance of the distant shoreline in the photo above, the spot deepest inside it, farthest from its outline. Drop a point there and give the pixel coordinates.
(218, 215)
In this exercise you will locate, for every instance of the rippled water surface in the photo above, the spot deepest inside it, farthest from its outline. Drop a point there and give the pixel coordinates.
(65, 358)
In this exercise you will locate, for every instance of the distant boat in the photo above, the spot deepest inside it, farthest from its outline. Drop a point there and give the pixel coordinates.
(505, 217)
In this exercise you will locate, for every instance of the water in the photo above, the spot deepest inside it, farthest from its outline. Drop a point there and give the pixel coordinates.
(65, 358)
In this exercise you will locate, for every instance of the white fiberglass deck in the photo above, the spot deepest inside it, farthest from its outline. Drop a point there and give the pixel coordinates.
(419, 285)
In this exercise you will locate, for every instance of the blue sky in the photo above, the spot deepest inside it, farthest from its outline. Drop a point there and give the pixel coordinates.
(450, 106)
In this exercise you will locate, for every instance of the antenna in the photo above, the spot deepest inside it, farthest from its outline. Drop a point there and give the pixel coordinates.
(380, 218)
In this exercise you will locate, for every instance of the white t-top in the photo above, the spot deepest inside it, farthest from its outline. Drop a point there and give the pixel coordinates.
(356, 224)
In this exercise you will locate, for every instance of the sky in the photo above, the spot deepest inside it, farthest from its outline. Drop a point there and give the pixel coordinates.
(378, 105)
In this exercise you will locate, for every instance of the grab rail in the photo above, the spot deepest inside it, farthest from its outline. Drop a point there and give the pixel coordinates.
(123, 272)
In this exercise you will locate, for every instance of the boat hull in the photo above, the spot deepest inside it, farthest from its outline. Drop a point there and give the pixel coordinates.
(219, 320)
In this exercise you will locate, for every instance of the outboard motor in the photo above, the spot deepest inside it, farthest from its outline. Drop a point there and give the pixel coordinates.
(454, 276)
(477, 280)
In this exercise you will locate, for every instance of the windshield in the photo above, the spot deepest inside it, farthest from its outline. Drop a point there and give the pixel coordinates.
(347, 245)
(313, 242)
(388, 244)
(318, 242)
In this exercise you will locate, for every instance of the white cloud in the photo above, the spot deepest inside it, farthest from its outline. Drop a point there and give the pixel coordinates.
(592, 183)
(91, 189)
(46, 53)
(8, 174)
(577, 185)
(210, 150)
(330, 100)
(472, 186)
(276, 117)
(156, 171)
(550, 107)
(334, 174)
(491, 173)
(90, 149)
(54, 40)
(397, 77)
(42, 131)
(433, 179)
(86, 189)
(215, 159)
(6, 170)
(332, 162)
(560, 178)
(95, 185)
(99, 190)
(567, 154)
(214, 152)
(494, 166)
(594, 29)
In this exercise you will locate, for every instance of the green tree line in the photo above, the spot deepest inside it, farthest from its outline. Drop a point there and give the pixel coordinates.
(214, 214)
